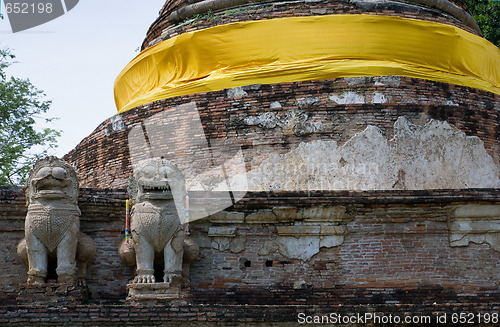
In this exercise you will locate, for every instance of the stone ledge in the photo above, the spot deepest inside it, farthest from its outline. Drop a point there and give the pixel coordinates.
(154, 293)
(311, 230)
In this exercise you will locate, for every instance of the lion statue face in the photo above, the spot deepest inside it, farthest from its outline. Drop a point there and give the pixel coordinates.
(156, 179)
(52, 179)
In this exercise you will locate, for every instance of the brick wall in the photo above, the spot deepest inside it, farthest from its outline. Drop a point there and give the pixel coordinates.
(103, 157)
(251, 315)
(395, 251)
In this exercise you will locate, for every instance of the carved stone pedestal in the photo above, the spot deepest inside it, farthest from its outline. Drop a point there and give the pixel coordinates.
(150, 294)
(52, 293)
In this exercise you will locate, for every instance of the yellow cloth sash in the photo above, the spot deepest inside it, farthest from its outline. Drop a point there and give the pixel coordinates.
(307, 48)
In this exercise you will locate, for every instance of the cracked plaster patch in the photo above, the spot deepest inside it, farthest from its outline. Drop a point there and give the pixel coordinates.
(302, 247)
(347, 98)
(236, 92)
(291, 121)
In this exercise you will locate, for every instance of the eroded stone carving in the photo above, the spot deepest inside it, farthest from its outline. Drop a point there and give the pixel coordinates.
(474, 223)
(157, 190)
(301, 233)
(52, 227)
(303, 241)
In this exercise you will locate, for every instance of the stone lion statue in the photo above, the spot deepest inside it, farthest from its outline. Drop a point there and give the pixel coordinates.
(157, 191)
(52, 226)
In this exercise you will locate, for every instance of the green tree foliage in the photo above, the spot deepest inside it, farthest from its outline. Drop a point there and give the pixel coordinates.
(487, 16)
(22, 105)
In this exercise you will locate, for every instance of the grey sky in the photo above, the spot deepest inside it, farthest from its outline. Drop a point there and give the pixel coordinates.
(76, 58)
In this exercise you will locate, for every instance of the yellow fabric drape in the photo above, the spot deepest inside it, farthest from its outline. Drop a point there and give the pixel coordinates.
(307, 48)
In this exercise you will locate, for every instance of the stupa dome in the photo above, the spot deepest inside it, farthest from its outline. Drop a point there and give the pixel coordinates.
(307, 95)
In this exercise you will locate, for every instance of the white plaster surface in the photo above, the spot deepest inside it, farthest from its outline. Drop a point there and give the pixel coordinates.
(431, 156)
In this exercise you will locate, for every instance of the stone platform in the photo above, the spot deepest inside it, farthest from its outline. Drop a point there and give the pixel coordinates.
(150, 294)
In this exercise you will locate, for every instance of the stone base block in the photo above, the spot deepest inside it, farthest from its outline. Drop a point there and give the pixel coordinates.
(52, 293)
(154, 293)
